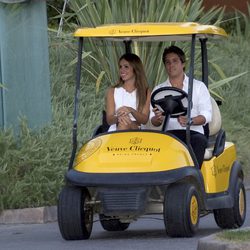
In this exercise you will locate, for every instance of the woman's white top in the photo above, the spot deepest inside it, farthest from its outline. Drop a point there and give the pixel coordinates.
(124, 98)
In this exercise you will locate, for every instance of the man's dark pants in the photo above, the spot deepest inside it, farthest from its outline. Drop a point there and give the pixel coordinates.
(198, 142)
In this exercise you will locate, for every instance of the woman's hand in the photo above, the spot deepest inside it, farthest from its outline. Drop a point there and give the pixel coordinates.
(123, 115)
(124, 120)
(123, 111)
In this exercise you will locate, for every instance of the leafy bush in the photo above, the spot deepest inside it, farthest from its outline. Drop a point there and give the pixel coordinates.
(32, 165)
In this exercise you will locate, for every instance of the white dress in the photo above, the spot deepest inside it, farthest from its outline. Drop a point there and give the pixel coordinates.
(124, 98)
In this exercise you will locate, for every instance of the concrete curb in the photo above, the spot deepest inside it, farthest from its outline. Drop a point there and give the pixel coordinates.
(212, 242)
(29, 215)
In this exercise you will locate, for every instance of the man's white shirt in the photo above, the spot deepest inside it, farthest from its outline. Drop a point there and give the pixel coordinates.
(201, 104)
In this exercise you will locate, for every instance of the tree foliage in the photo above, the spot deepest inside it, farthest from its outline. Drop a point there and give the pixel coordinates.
(101, 56)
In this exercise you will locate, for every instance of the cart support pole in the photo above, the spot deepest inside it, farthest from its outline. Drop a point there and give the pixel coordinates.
(128, 46)
(204, 60)
(76, 103)
(190, 96)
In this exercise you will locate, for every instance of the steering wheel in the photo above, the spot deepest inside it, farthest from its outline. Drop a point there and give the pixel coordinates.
(170, 101)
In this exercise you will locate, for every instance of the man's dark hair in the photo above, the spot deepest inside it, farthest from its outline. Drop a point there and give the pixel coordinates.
(176, 50)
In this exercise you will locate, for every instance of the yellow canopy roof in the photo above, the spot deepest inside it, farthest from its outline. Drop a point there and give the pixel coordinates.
(151, 31)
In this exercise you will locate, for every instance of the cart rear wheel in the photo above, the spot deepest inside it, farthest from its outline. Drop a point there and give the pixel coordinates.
(75, 215)
(233, 217)
(181, 210)
(110, 224)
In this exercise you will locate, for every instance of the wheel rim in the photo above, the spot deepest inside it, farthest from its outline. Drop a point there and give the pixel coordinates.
(241, 203)
(194, 210)
(88, 214)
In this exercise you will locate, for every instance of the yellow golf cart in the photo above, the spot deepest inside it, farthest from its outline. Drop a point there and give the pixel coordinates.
(122, 175)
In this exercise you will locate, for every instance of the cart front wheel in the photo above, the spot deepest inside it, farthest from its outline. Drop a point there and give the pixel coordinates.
(75, 214)
(181, 210)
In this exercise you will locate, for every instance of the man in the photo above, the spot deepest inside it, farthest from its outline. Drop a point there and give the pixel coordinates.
(201, 112)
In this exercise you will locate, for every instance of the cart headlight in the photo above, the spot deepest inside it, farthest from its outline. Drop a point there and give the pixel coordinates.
(88, 149)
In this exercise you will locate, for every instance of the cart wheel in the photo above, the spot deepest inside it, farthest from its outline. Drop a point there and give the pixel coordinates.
(112, 224)
(233, 217)
(181, 210)
(75, 215)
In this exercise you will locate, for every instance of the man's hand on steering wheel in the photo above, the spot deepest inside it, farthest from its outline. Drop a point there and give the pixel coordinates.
(182, 120)
(159, 117)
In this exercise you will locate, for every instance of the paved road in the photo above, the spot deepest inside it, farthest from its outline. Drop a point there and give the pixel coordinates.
(146, 233)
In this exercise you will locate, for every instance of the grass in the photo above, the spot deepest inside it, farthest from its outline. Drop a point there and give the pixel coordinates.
(32, 165)
(235, 235)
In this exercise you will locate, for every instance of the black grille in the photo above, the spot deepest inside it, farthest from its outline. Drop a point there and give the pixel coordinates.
(123, 201)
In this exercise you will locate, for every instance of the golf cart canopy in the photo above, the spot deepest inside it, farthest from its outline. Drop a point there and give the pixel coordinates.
(152, 31)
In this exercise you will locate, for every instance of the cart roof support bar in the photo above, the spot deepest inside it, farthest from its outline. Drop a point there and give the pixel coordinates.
(128, 46)
(76, 103)
(190, 96)
(204, 59)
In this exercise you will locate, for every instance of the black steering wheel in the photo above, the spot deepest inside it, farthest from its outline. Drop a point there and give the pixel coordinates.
(173, 102)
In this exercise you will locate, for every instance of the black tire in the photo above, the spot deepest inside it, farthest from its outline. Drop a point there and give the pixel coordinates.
(112, 224)
(75, 216)
(228, 218)
(181, 210)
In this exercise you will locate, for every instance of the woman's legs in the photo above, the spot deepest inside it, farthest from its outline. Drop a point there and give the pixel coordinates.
(131, 126)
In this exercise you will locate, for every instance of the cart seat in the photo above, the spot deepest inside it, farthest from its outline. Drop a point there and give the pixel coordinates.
(216, 139)
(103, 127)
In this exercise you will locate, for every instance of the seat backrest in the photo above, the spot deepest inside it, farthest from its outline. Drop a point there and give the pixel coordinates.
(216, 139)
(215, 124)
(103, 127)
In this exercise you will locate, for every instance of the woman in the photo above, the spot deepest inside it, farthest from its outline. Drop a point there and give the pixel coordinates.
(128, 103)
